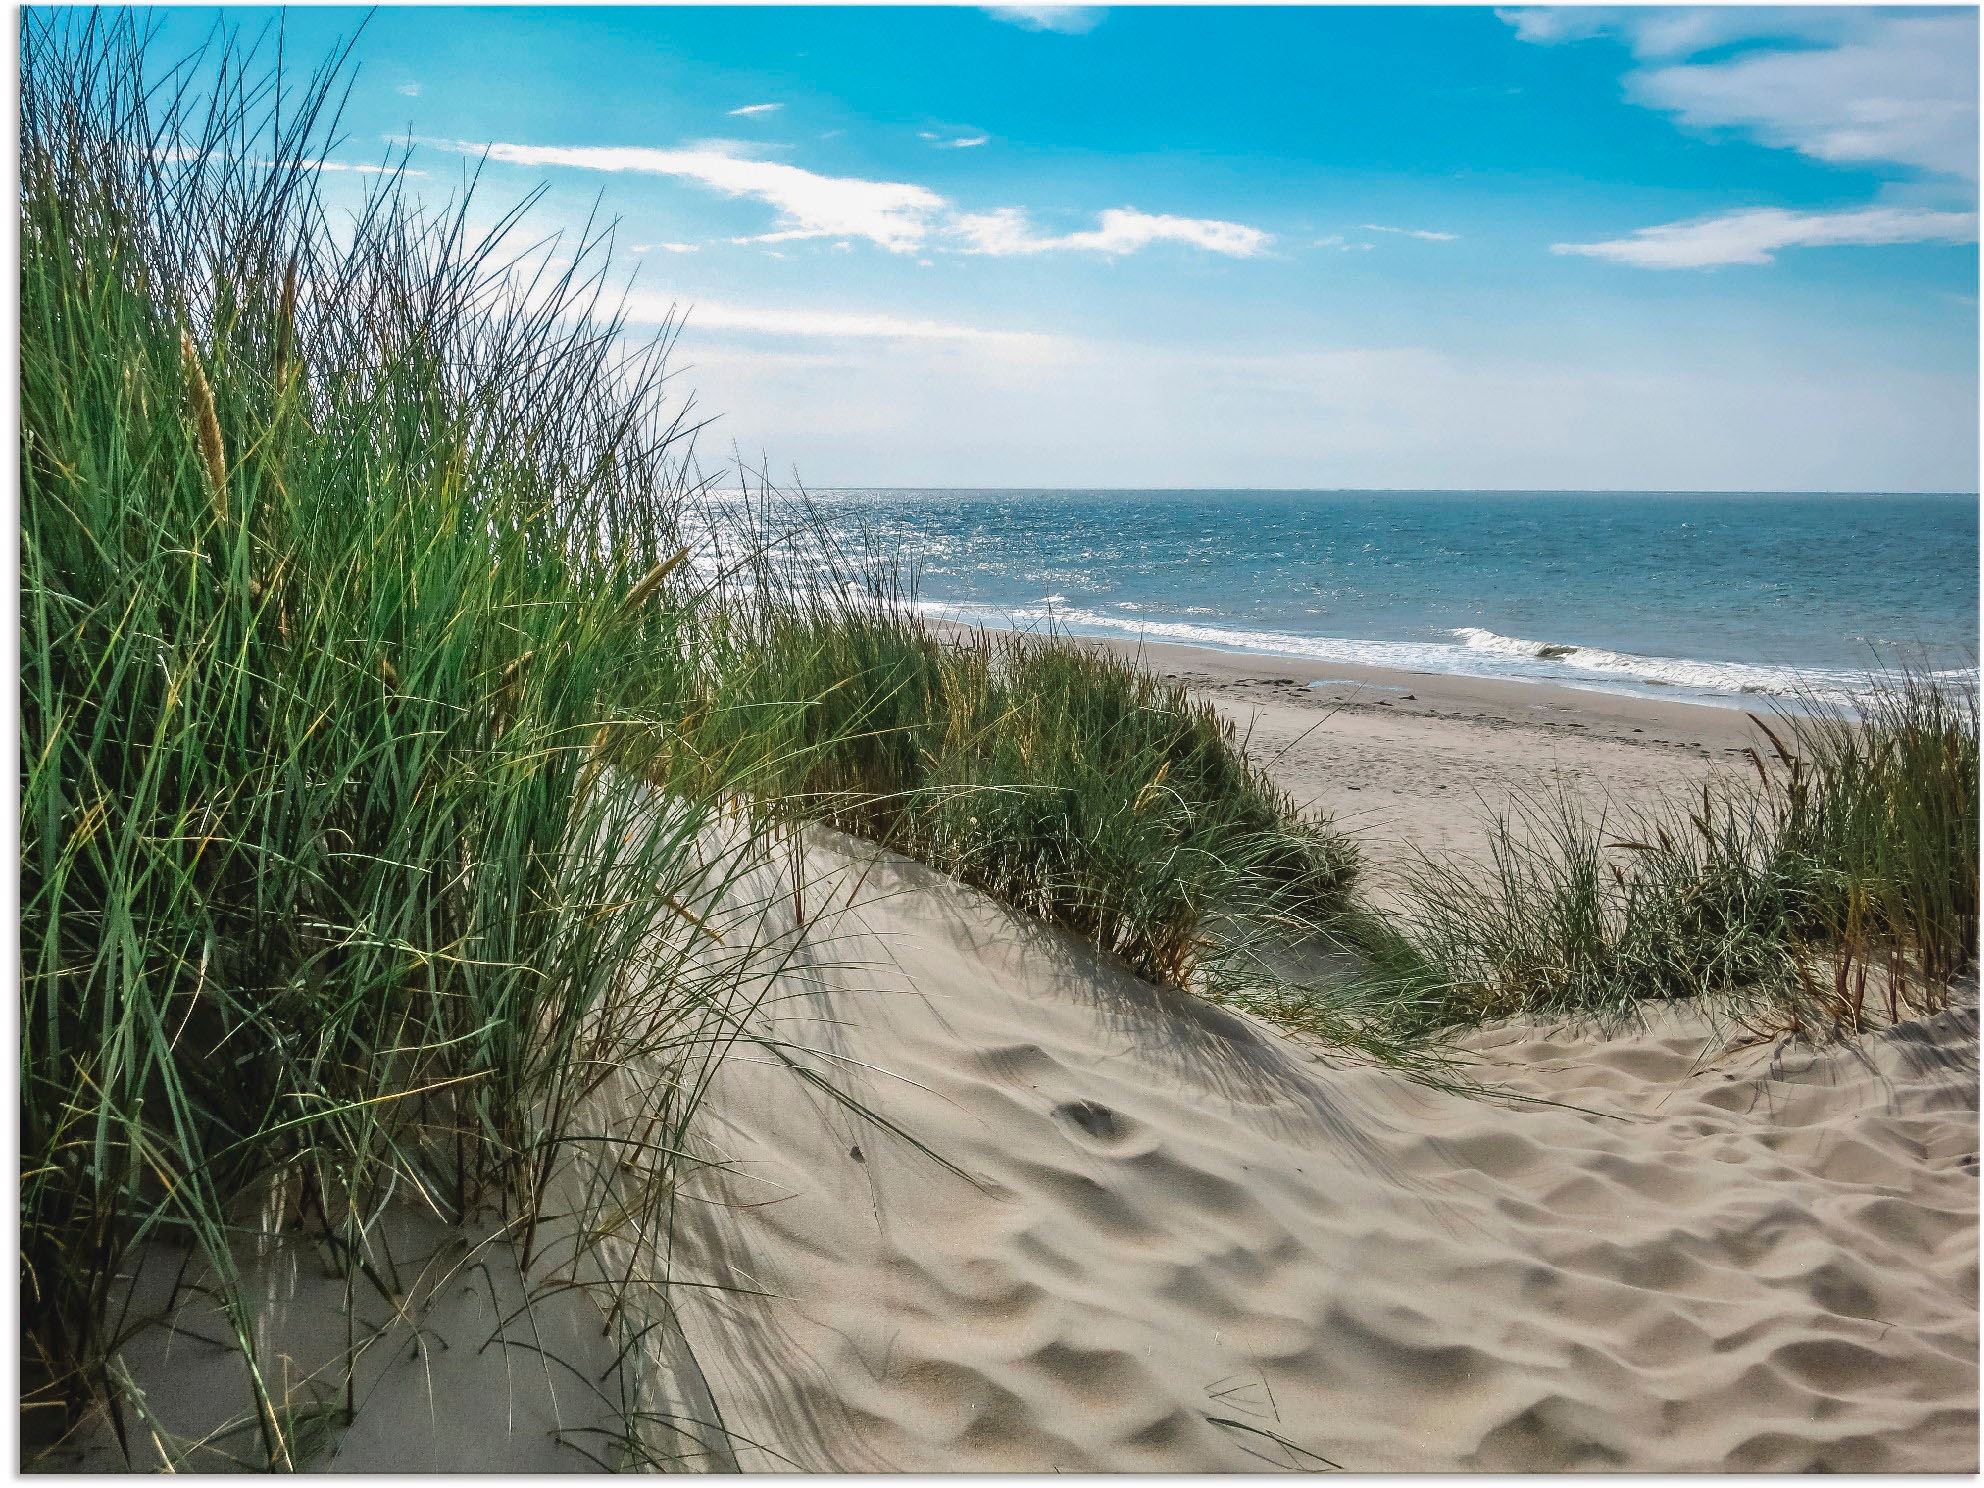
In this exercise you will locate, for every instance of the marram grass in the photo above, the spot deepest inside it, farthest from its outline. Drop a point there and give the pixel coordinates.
(1836, 890)
(323, 890)
(1070, 784)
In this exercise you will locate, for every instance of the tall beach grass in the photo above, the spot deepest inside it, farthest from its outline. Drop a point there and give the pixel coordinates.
(339, 545)
(1069, 784)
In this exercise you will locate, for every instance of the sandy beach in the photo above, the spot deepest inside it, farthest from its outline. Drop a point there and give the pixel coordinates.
(1417, 759)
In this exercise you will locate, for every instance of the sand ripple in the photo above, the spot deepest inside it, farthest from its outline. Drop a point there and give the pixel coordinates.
(1191, 1245)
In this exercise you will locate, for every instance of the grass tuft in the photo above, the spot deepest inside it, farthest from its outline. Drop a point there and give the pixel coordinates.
(1069, 784)
(1840, 888)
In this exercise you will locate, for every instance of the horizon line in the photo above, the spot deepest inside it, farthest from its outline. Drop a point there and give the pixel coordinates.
(1412, 490)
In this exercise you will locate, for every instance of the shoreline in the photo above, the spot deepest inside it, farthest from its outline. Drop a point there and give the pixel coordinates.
(1507, 702)
(1734, 686)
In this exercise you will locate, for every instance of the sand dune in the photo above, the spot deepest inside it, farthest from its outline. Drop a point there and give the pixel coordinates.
(1148, 1235)
(1086, 1224)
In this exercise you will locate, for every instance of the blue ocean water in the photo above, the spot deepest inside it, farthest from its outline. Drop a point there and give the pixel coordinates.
(1722, 597)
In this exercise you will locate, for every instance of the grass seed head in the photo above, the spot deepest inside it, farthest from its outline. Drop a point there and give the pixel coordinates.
(206, 425)
(643, 591)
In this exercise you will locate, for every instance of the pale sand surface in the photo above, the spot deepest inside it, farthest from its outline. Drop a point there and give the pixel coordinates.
(443, 1367)
(1176, 1240)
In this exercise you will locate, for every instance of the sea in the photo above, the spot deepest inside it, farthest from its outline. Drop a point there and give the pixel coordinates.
(1719, 597)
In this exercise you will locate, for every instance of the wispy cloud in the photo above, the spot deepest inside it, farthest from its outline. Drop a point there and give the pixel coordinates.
(1413, 232)
(360, 170)
(1754, 237)
(529, 280)
(336, 167)
(896, 215)
(841, 324)
(1119, 230)
(1849, 85)
(411, 90)
(743, 149)
(663, 248)
(1664, 32)
(1338, 241)
(1905, 93)
(955, 141)
(1070, 20)
(755, 108)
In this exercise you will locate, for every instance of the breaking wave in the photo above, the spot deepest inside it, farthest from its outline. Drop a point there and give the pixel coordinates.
(1472, 652)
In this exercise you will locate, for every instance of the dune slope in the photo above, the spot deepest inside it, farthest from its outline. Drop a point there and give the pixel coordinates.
(1138, 1233)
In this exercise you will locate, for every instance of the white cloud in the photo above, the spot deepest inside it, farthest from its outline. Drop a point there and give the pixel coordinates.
(1548, 25)
(411, 90)
(955, 142)
(894, 214)
(755, 108)
(792, 236)
(742, 149)
(1904, 93)
(343, 167)
(1000, 233)
(1413, 232)
(1847, 85)
(897, 215)
(1655, 32)
(1337, 241)
(1752, 237)
(1119, 230)
(1070, 20)
(843, 324)
(663, 248)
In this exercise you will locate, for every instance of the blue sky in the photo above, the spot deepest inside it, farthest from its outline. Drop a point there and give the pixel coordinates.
(1249, 246)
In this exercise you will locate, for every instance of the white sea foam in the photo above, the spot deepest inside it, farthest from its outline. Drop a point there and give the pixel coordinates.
(1663, 671)
(1472, 653)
